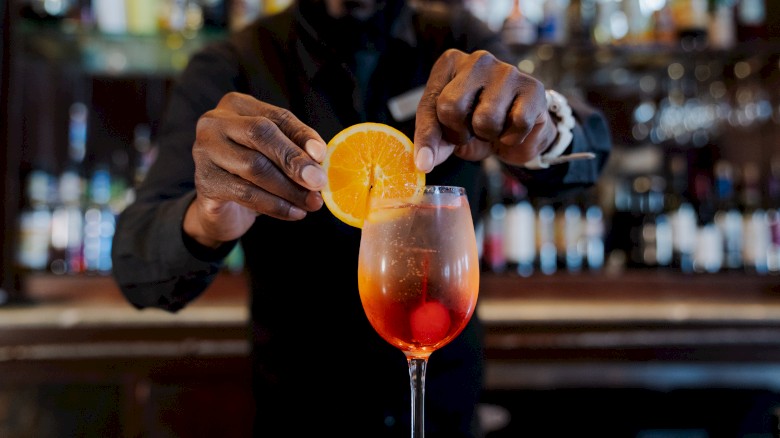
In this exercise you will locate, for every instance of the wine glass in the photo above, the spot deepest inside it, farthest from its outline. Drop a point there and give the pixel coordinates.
(418, 276)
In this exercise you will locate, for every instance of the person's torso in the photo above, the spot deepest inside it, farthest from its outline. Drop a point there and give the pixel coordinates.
(305, 303)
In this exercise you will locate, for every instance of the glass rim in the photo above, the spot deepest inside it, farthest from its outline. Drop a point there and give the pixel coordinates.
(426, 195)
(443, 189)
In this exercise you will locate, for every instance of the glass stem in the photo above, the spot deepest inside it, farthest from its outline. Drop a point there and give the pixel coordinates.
(417, 368)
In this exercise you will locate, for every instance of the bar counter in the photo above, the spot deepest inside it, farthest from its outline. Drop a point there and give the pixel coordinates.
(636, 328)
(133, 373)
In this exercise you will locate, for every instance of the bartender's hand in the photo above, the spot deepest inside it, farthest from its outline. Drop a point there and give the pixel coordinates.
(251, 158)
(475, 105)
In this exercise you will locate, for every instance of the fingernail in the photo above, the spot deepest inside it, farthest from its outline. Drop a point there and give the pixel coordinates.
(296, 213)
(314, 177)
(315, 149)
(424, 159)
(314, 201)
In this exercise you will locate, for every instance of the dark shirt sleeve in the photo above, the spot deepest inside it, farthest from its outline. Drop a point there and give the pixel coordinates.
(155, 264)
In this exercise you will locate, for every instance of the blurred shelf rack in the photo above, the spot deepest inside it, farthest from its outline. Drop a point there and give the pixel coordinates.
(653, 329)
(641, 337)
(96, 53)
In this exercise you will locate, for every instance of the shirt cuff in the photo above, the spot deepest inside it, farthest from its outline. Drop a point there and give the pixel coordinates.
(184, 248)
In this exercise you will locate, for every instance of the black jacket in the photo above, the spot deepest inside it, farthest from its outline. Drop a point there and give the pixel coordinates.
(316, 357)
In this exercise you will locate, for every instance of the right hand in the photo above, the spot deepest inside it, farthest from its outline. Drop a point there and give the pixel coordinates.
(475, 105)
(251, 158)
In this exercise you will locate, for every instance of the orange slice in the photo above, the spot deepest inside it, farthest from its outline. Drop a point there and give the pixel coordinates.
(368, 157)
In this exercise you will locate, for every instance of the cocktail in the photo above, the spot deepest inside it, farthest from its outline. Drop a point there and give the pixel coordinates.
(418, 276)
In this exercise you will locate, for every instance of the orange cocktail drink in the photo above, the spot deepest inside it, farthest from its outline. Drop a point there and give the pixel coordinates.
(417, 280)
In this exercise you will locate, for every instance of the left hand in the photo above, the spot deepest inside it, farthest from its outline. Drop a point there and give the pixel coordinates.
(475, 105)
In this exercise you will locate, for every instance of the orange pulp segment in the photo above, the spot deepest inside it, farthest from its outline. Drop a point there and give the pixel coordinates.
(368, 157)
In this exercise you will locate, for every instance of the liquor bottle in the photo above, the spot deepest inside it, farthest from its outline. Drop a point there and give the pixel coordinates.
(641, 251)
(546, 239)
(755, 221)
(690, 21)
(704, 196)
(242, 12)
(751, 20)
(146, 152)
(618, 241)
(493, 252)
(67, 226)
(773, 250)
(99, 223)
(757, 240)
(520, 237)
(728, 218)
(677, 222)
(142, 17)
(640, 22)
(676, 176)
(724, 185)
(519, 229)
(573, 237)
(773, 183)
(517, 29)
(78, 115)
(664, 238)
(664, 31)
(708, 256)
(666, 194)
(722, 32)
(553, 27)
(32, 252)
(605, 31)
(110, 16)
(215, 14)
(580, 15)
(684, 232)
(750, 187)
(67, 229)
(654, 234)
(594, 237)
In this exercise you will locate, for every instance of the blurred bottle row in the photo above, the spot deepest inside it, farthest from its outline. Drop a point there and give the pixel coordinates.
(149, 17)
(699, 219)
(67, 223)
(525, 237)
(686, 218)
(690, 24)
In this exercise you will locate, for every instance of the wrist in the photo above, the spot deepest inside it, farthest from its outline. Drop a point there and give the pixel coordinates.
(192, 227)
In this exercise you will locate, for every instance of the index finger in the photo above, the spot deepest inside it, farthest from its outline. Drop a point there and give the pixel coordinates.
(298, 132)
(429, 144)
(277, 135)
